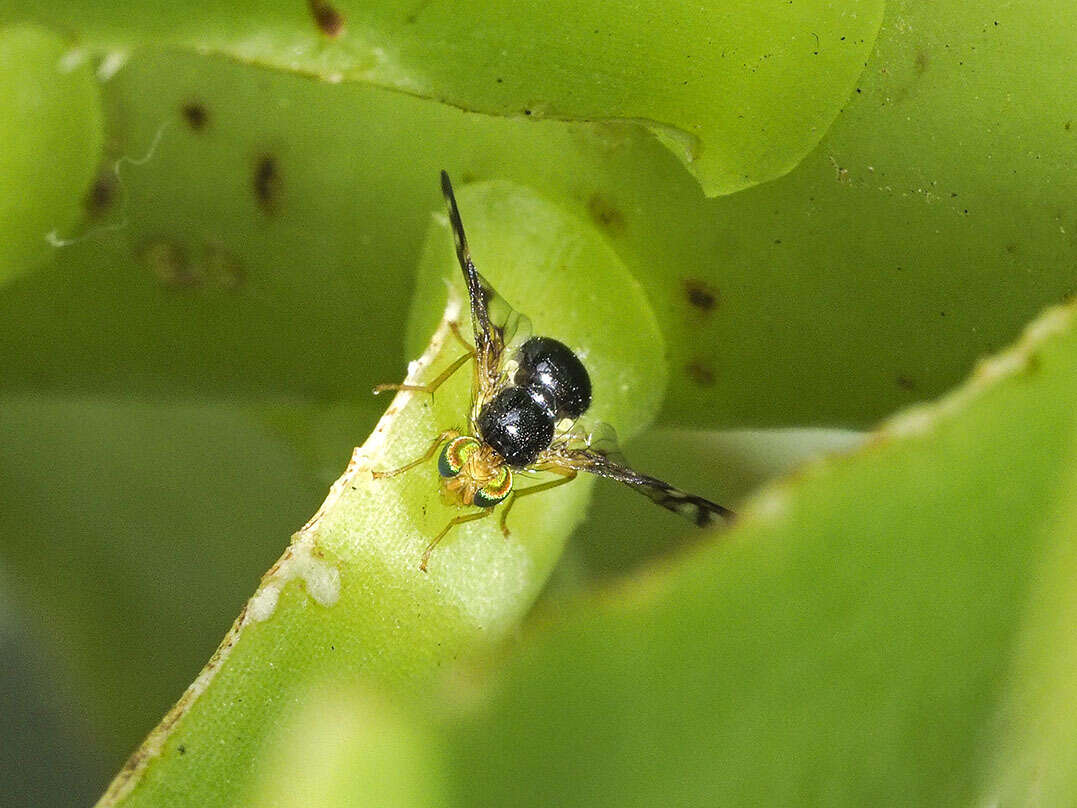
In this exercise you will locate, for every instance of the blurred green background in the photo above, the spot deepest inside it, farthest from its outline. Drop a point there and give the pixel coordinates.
(212, 223)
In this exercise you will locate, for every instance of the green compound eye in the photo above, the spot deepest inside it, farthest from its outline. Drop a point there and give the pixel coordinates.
(492, 493)
(455, 454)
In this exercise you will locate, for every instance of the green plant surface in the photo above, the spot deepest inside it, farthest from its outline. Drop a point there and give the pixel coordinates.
(792, 324)
(1033, 757)
(51, 142)
(253, 260)
(352, 747)
(739, 90)
(624, 531)
(124, 519)
(857, 639)
(347, 600)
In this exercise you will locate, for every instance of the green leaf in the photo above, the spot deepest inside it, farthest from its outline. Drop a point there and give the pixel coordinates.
(348, 750)
(134, 532)
(624, 530)
(738, 90)
(831, 296)
(347, 599)
(1033, 757)
(851, 642)
(51, 134)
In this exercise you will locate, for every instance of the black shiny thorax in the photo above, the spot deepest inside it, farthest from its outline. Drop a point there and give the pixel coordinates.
(550, 383)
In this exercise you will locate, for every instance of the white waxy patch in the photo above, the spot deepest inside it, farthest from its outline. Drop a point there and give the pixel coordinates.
(320, 579)
(914, 421)
(111, 65)
(72, 60)
(770, 503)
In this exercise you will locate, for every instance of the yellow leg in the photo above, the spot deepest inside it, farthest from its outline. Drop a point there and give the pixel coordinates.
(568, 475)
(455, 327)
(459, 520)
(432, 386)
(440, 439)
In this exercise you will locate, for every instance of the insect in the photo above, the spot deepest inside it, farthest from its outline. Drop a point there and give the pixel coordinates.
(528, 394)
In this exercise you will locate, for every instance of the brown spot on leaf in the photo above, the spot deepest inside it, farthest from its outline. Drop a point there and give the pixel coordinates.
(605, 214)
(329, 21)
(701, 295)
(700, 372)
(922, 61)
(196, 115)
(267, 182)
(101, 194)
(905, 383)
(168, 261)
(221, 268)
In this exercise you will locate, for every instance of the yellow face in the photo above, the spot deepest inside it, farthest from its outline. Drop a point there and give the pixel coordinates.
(473, 473)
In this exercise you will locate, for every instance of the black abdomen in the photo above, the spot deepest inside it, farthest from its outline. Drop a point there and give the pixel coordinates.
(552, 366)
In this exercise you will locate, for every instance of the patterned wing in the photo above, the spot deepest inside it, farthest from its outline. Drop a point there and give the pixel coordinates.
(497, 326)
(596, 452)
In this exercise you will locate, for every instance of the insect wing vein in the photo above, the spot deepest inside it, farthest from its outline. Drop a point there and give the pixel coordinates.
(600, 455)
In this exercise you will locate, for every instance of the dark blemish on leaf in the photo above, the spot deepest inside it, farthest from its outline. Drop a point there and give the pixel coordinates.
(700, 372)
(527, 112)
(101, 194)
(905, 383)
(221, 268)
(182, 749)
(1068, 125)
(922, 61)
(701, 295)
(1011, 248)
(196, 115)
(168, 262)
(329, 21)
(414, 15)
(605, 214)
(267, 182)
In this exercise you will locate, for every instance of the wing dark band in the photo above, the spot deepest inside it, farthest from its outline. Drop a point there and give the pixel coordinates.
(478, 292)
(699, 511)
